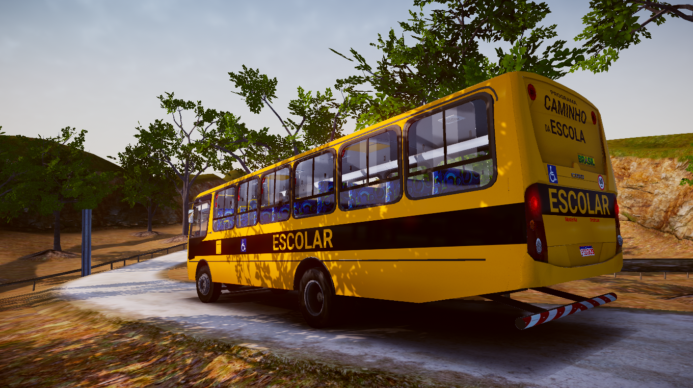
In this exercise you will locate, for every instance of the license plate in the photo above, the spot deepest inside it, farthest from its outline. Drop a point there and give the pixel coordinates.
(587, 251)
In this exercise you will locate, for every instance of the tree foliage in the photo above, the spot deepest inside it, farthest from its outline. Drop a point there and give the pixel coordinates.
(146, 180)
(50, 173)
(187, 152)
(444, 55)
(613, 26)
(317, 118)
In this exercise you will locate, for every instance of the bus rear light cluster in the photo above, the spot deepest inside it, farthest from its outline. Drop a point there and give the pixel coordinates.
(594, 118)
(536, 235)
(619, 239)
(532, 92)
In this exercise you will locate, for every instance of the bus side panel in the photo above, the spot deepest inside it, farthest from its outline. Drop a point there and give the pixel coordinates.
(506, 268)
(271, 270)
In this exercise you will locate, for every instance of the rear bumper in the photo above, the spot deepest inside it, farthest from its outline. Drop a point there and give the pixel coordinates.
(545, 274)
(563, 311)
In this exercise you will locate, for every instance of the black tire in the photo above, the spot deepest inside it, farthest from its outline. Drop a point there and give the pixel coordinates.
(207, 291)
(316, 298)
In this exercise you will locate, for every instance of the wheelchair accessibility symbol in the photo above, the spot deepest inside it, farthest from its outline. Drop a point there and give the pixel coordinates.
(243, 245)
(553, 175)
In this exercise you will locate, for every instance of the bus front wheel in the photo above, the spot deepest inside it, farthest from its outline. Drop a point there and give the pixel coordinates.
(207, 291)
(316, 299)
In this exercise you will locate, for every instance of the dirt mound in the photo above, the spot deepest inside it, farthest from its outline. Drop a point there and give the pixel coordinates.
(175, 239)
(50, 254)
(145, 234)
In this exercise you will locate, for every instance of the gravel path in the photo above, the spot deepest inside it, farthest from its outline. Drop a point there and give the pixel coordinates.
(445, 340)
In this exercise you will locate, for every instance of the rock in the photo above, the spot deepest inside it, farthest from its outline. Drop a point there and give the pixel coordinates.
(649, 191)
(621, 217)
(50, 254)
(145, 234)
(175, 239)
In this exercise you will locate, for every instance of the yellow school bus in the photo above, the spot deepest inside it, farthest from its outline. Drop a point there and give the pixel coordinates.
(497, 188)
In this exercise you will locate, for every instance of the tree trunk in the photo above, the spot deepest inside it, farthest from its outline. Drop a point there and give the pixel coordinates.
(149, 216)
(56, 231)
(186, 207)
(151, 209)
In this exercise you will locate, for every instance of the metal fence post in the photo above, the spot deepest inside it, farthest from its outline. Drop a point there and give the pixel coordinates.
(86, 242)
(34, 289)
(111, 265)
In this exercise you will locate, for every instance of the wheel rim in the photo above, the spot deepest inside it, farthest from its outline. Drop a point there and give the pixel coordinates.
(203, 284)
(314, 298)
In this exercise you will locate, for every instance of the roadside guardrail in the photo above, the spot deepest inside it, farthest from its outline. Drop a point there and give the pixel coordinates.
(124, 260)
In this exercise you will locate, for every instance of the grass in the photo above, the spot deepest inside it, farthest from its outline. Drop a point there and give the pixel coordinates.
(653, 147)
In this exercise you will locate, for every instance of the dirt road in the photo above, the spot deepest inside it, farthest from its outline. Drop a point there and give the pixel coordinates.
(444, 340)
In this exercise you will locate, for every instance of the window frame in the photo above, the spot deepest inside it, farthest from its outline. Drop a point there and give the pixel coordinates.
(393, 128)
(483, 96)
(294, 184)
(214, 196)
(238, 202)
(291, 190)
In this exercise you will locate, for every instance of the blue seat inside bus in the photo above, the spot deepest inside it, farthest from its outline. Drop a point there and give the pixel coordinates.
(320, 205)
(372, 195)
(453, 179)
(275, 213)
(421, 187)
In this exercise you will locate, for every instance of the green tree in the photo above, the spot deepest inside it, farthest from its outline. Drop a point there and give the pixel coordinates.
(318, 118)
(445, 58)
(55, 172)
(187, 152)
(613, 26)
(146, 181)
(252, 149)
(12, 167)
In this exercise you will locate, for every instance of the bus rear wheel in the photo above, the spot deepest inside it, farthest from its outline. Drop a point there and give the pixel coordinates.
(207, 291)
(316, 299)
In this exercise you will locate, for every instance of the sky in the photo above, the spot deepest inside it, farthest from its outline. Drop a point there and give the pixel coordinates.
(100, 65)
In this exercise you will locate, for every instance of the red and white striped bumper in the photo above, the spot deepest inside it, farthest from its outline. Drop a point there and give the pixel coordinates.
(563, 311)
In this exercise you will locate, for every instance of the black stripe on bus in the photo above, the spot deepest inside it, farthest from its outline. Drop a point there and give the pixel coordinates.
(495, 225)
(344, 260)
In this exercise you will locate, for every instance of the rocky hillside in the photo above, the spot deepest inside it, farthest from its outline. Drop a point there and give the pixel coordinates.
(648, 171)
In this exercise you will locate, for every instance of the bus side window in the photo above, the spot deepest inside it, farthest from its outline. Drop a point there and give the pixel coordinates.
(370, 172)
(449, 151)
(314, 189)
(224, 205)
(247, 203)
(275, 204)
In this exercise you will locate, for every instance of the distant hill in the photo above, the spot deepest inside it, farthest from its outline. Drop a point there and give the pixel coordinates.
(112, 211)
(98, 163)
(653, 147)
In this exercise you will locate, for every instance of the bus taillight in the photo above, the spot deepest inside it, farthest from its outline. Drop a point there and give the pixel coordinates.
(536, 236)
(532, 92)
(619, 238)
(594, 118)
